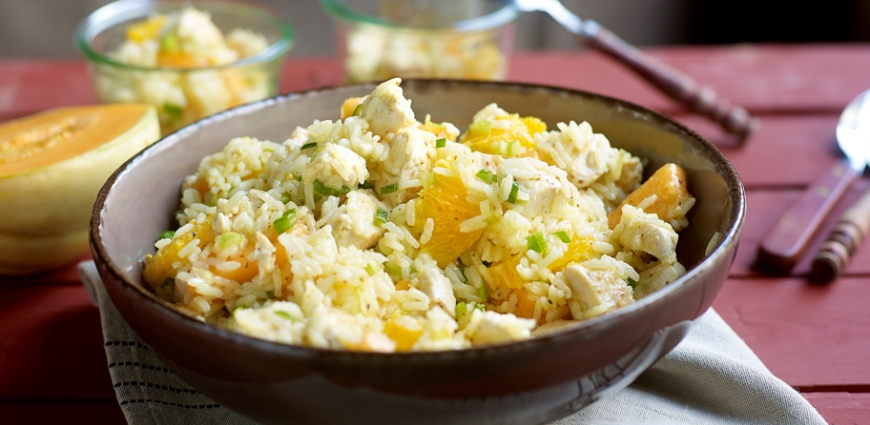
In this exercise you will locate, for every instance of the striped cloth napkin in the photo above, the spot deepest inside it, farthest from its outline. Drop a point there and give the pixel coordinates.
(711, 377)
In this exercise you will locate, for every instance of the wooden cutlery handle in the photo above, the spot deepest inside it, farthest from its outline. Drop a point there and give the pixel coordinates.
(679, 86)
(784, 243)
(834, 254)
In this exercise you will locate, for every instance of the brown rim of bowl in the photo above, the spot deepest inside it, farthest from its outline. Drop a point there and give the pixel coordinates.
(736, 194)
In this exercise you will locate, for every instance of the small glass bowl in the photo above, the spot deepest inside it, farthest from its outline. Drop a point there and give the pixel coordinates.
(183, 95)
(465, 39)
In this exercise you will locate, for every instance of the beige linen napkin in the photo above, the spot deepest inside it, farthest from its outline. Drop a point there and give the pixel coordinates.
(711, 377)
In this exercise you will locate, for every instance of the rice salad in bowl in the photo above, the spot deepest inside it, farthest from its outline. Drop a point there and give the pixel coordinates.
(378, 232)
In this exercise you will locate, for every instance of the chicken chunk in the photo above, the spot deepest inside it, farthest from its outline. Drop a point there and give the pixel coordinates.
(543, 189)
(656, 278)
(335, 170)
(411, 155)
(439, 289)
(489, 327)
(646, 233)
(353, 222)
(386, 109)
(576, 149)
(597, 289)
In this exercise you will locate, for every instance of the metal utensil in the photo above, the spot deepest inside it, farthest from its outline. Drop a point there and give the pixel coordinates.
(785, 242)
(853, 135)
(734, 119)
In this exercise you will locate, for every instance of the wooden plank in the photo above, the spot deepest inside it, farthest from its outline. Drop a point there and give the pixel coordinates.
(842, 408)
(51, 344)
(778, 77)
(761, 78)
(808, 335)
(69, 413)
(787, 151)
(68, 275)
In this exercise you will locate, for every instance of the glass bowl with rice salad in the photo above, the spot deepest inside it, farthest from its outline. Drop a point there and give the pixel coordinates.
(381, 39)
(379, 232)
(190, 60)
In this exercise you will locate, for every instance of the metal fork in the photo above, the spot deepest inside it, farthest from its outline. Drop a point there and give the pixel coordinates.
(679, 86)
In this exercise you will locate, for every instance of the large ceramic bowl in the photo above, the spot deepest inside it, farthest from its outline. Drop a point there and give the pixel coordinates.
(528, 382)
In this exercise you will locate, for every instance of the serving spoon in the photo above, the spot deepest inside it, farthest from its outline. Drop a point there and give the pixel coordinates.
(785, 242)
(679, 86)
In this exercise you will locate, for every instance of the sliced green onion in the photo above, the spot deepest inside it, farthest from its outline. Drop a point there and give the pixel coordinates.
(285, 198)
(513, 149)
(461, 308)
(367, 185)
(631, 282)
(270, 295)
(480, 126)
(462, 272)
(537, 242)
(487, 176)
(478, 306)
(440, 143)
(515, 190)
(169, 234)
(563, 236)
(173, 111)
(284, 314)
(389, 189)
(286, 222)
(370, 269)
(308, 146)
(381, 216)
(211, 199)
(169, 43)
(238, 307)
(483, 292)
(229, 239)
(323, 189)
(428, 179)
(357, 111)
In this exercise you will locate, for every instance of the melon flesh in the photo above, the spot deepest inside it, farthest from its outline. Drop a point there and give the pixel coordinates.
(52, 165)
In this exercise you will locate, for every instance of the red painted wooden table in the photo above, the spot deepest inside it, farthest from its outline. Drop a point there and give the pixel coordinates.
(816, 338)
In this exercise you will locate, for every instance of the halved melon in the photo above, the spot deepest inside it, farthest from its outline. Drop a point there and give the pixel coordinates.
(53, 164)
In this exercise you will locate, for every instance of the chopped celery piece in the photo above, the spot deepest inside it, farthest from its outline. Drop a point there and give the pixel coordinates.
(461, 309)
(381, 216)
(229, 239)
(286, 222)
(483, 292)
(515, 190)
(389, 189)
(487, 176)
(284, 314)
(537, 243)
(323, 189)
(480, 126)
